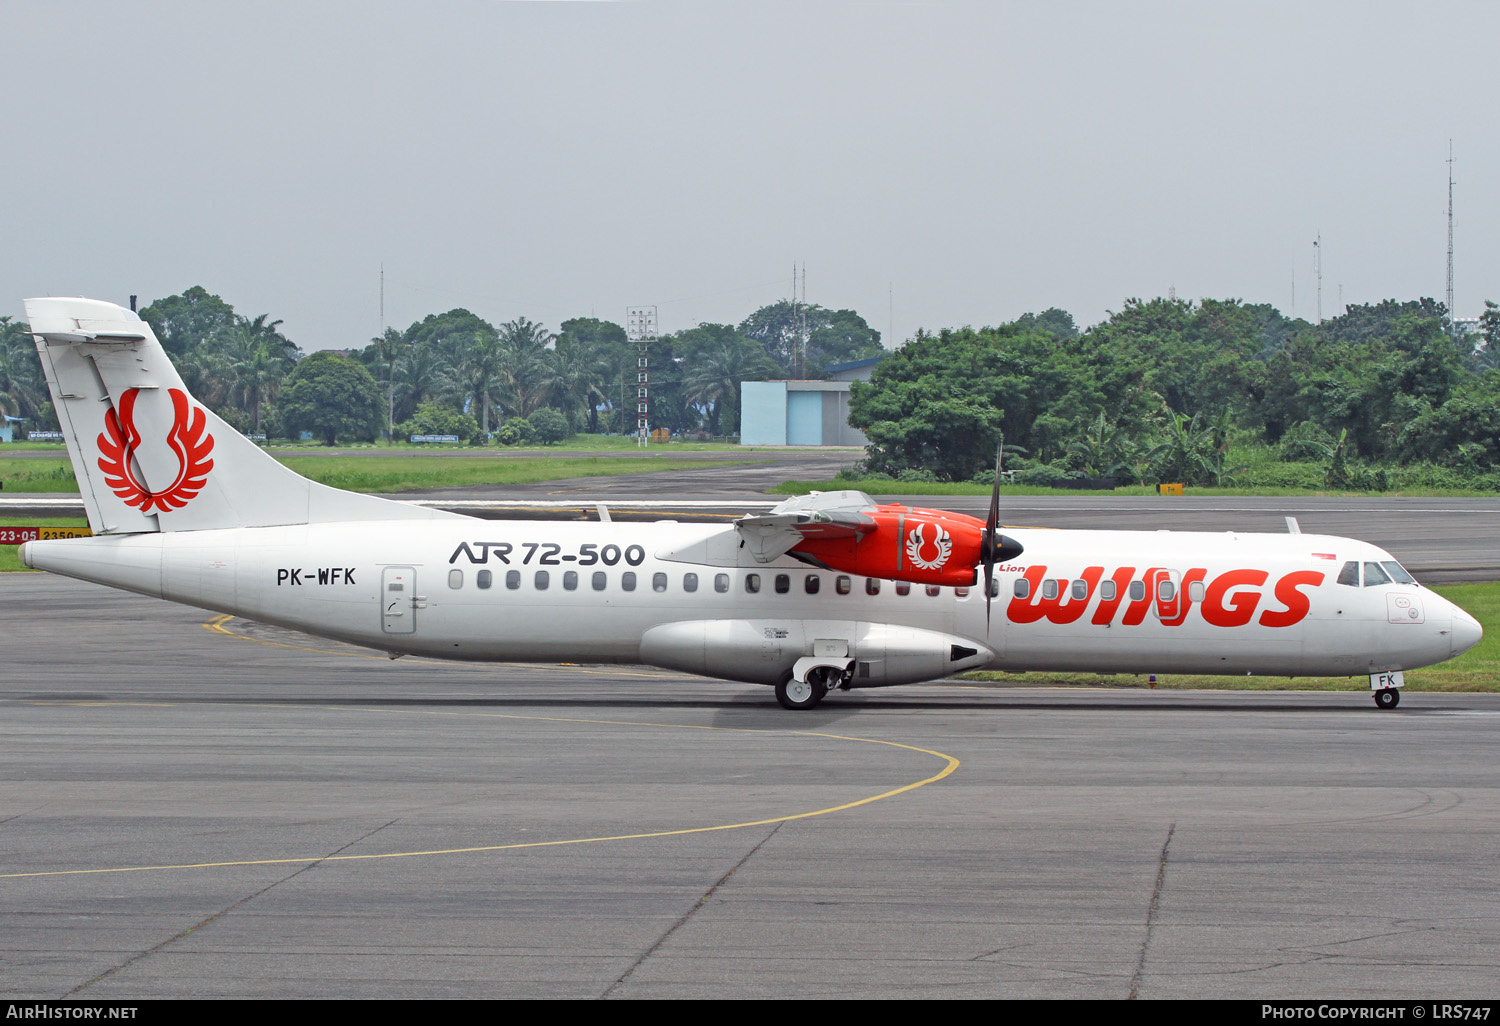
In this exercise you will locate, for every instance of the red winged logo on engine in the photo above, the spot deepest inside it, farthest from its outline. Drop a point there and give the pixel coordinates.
(940, 547)
(188, 439)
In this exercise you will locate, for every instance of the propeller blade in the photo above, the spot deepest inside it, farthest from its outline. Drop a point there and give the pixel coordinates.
(991, 522)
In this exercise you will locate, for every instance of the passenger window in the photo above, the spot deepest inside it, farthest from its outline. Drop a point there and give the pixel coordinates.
(1349, 574)
(812, 584)
(512, 579)
(627, 581)
(484, 579)
(543, 578)
(1049, 588)
(1165, 590)
(995, 588)
(903, 588)
(1137, 590)
(872, 586)
(1374, 575)
(1398, 573)
(455, 578)
(1195, 591)
(1107, 591)
(783, 583)
(600, 580)
(689, 582)
(933, 590)
(721, 583)
(841, 584)
(1022, 588)
(570, 580)
(658, 582)
(961, 592)
(1080, 590)
(752, 583)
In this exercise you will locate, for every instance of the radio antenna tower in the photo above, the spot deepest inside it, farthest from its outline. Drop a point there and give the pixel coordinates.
(1318, 267)
(1450, 231)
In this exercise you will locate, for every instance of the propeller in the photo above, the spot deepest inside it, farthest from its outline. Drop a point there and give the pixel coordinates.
(988, 546)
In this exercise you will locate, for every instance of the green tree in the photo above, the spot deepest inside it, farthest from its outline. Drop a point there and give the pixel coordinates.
(21, 383)
(182, 323)
(331, 395)
(1052, 320)
(251, 359)
(420, 373)
(551, 426)
(388, 347)
(516, 431)
(595, 368)
(717, 359)
(525, 366)
(438, 419)
(585, 358)
(481, 373)
(1104, 450)
(1489, 326)
(804, 339)
(1193, 451)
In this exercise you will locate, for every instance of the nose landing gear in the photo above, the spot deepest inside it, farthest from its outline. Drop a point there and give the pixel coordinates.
(1388, 698)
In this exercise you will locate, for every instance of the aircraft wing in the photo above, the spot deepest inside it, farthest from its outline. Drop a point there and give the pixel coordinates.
(822, 516)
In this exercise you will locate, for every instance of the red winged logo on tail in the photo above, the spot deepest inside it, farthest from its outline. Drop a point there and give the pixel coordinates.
(189, 440)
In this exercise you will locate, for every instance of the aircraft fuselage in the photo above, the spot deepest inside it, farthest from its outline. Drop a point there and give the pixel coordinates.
(691, 597)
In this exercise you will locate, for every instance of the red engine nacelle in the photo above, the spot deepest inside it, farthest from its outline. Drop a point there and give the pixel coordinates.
(924, 546)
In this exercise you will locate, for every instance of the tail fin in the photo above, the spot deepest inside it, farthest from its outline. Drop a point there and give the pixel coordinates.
(150, 458)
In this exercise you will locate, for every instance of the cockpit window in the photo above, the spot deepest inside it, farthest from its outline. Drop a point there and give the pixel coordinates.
(1375, 575)
(1350, 574)
(1398, 573)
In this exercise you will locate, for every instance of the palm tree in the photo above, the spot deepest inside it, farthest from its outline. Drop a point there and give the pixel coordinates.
(525, 366)
(480, 374)
(20, 371)
(420, 373)
(388, 349)
(716, 372)
(580, 372)
(257, 378)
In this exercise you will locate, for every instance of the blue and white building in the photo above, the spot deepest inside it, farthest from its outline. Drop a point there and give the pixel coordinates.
(802, 412)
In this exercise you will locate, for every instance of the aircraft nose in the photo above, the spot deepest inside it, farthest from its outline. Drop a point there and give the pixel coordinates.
(1466, 632)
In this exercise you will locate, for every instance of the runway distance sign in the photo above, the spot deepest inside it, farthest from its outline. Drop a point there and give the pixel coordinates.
(16, 534)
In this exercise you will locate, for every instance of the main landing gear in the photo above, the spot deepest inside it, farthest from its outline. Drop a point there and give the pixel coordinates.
(1386, 698)
(794, 694)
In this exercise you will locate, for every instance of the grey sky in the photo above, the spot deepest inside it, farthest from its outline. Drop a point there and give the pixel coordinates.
(951, 162)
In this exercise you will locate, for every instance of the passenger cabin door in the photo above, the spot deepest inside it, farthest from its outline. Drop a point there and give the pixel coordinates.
(399, 600)
(1166, 590)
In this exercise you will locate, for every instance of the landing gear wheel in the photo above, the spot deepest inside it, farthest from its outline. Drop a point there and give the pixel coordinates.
(1387, 698)
(794, 695)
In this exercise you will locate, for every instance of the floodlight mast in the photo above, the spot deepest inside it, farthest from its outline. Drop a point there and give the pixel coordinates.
(640, 328)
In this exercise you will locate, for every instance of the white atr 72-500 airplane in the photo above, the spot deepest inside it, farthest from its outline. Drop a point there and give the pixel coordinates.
(828, 591)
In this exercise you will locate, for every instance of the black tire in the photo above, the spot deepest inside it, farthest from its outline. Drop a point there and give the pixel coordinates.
(796, 696)
(1387, 698)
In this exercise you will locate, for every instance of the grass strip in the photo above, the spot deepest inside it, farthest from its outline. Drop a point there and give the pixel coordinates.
(885, 486)
(411, 473)
(388, 474)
